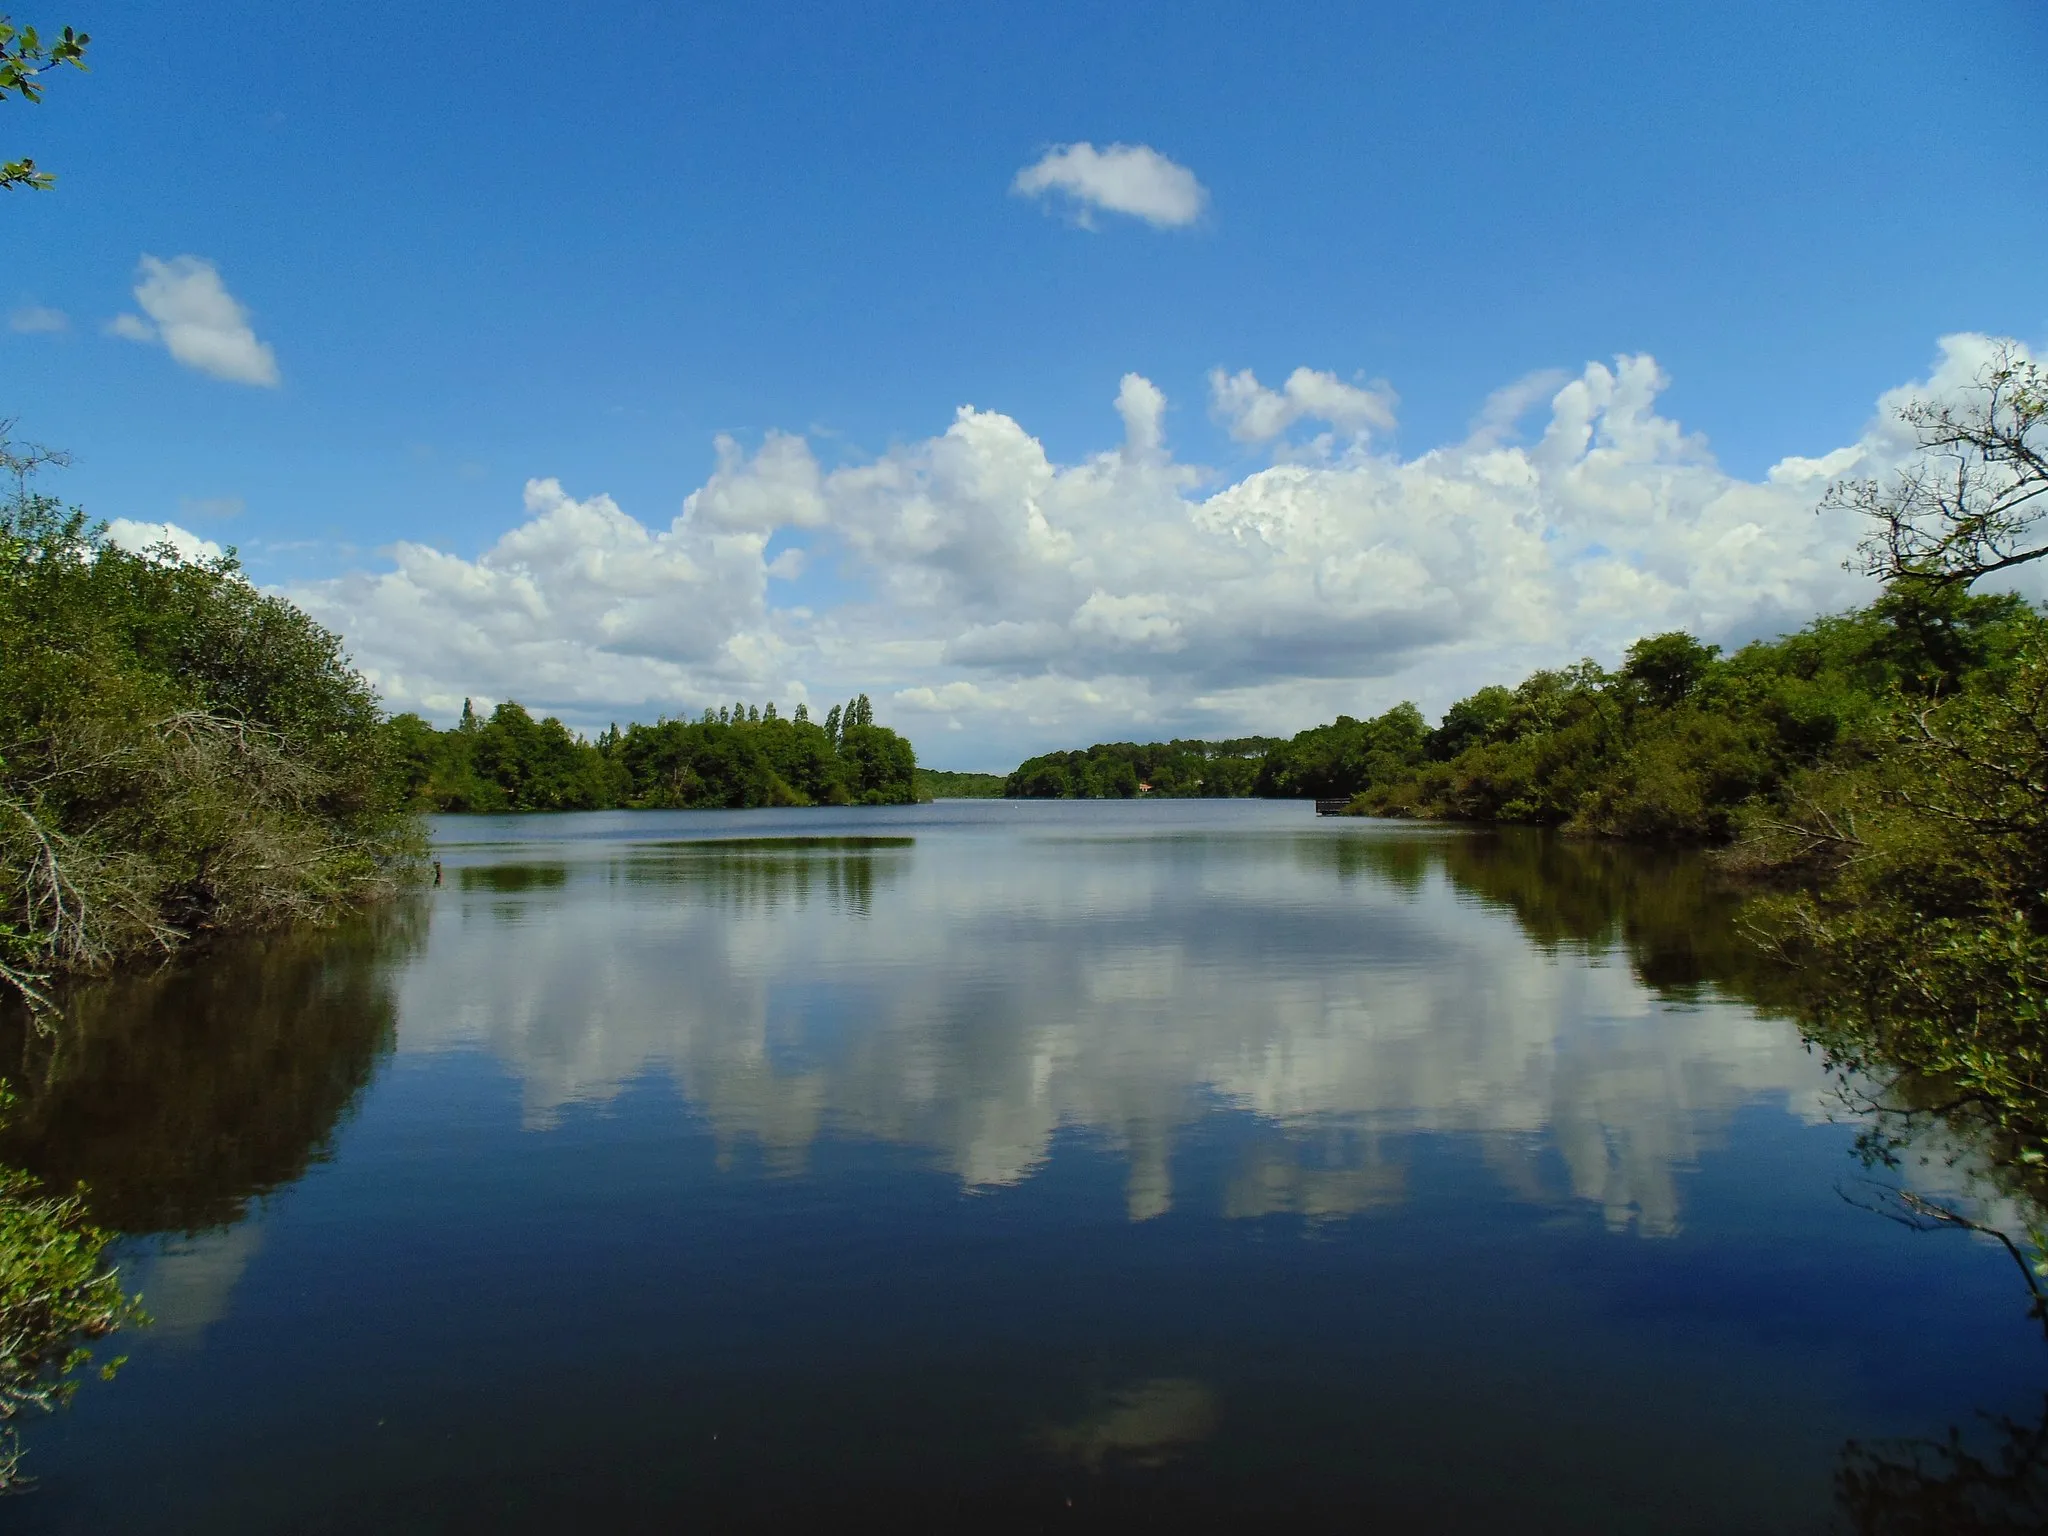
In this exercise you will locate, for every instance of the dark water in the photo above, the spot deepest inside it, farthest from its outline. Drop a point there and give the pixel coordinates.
(987, 1164)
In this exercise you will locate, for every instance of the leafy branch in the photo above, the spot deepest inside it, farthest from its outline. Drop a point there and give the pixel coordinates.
(1974, 502)
(24, 59)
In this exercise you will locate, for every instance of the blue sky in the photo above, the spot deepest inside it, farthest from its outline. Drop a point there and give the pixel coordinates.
(532, 245)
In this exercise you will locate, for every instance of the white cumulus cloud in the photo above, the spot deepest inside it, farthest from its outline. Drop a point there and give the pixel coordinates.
(200, 323)
(1036, 603)
(1121, 178)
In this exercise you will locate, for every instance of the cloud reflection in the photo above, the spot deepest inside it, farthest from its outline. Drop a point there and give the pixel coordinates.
(983, 992)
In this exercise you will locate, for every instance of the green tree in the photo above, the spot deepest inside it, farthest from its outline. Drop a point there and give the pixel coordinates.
(1924, 925)
(1469, 723)
(180, 754)
(1345, 757)
(882, 767)
(1667, 668)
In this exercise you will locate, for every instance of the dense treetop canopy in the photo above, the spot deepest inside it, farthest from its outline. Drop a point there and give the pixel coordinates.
(731, 757)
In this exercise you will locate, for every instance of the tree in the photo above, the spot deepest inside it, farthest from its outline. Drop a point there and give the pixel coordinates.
(1668, 667)
(1975, 500)
(24, 59)
(179, 753)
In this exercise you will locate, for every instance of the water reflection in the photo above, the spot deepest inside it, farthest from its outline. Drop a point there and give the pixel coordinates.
(1146, 1425)
(1993, 1482)
(1564, 1003)
(189, 1279)
(1279, 1026)
(179, 1096)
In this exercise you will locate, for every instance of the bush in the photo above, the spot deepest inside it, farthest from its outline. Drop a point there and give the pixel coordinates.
(179, 753)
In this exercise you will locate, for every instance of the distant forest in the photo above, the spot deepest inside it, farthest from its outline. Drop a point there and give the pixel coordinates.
(1178, 770)
(938, 784)
(731, 757)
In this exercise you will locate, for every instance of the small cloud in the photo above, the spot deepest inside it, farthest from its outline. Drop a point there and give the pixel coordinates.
(1143, 407)
(1124, 178)
(787, 566)
(38, 320)
(198, 321)
(211, 508)
(1256, 414)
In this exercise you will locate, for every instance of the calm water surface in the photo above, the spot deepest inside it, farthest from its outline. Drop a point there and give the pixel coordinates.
(989, 1162)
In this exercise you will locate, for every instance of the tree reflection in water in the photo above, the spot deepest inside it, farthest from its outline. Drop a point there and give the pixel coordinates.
(1946, 1488)
(1678, 920)
(179, 1096)
(1673, 913)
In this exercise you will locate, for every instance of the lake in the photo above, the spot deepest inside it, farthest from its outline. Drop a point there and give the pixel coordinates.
(995, 1164)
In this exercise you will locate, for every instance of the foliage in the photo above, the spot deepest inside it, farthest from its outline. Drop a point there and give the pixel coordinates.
(1681, 744)
(941, 784)
(180, 755)
(740, 755)
(1344, 757)
(56, 1296)
(1922, 917)
(1173, 770)
(24, 58)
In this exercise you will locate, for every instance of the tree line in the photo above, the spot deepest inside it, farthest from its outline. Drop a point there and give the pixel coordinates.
(1123, 770)
(734, 756)
(1679, 744)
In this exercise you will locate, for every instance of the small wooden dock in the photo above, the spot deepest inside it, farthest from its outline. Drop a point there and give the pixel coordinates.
(1332, 807)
